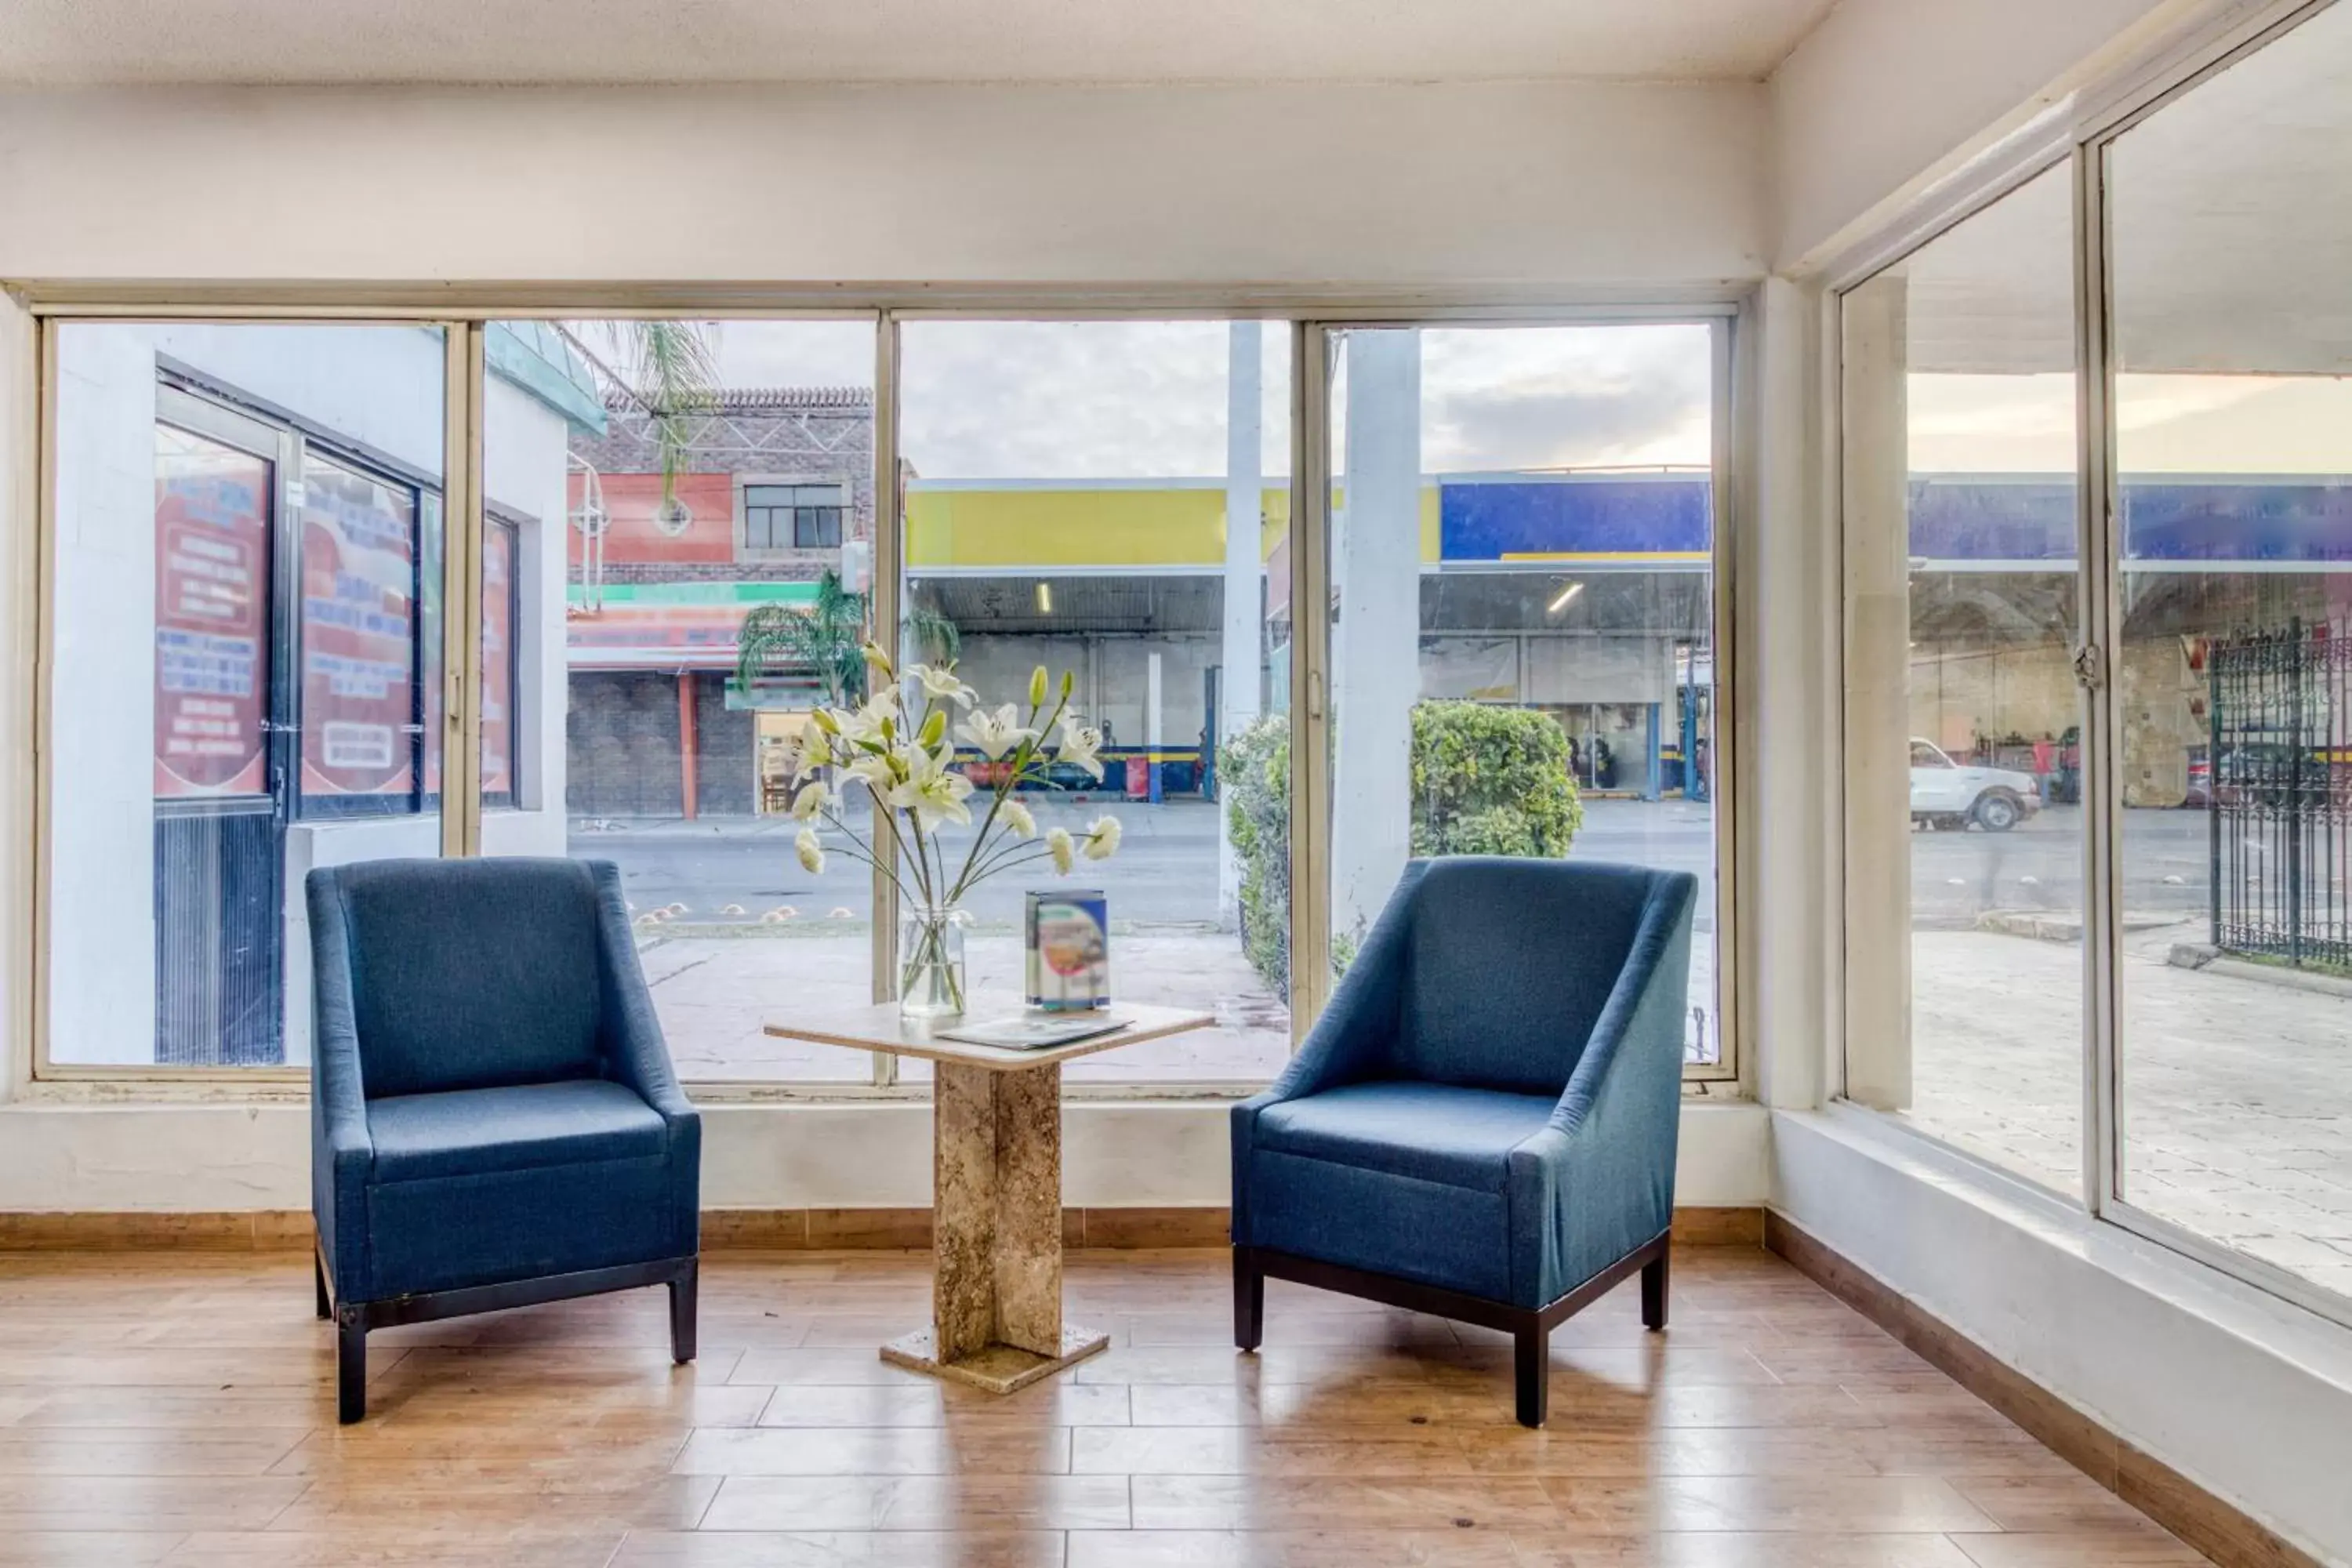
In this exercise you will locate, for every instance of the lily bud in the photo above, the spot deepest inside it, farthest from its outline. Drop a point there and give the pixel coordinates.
(1037, 687)
(1070, 683)
(934, 727)
(826, 721)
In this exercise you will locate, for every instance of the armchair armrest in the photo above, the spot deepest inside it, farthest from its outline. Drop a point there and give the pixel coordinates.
(631, 1032)
(1599, 1180)
(1347, 1042)
(1359, 1021)
(342, 1151)
(637, 1055)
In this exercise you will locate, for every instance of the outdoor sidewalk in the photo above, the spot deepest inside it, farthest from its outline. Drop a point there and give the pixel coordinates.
(715, 994)
(2237, 1100)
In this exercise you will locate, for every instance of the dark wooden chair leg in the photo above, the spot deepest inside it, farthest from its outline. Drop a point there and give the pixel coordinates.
(682, 1293)
(1653, 1291)
(318, 1279)
(1531, 1360)
(1249, 1300)
(351, 1365)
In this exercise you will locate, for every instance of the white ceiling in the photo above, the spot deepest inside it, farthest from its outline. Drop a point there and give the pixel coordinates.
(84, 41)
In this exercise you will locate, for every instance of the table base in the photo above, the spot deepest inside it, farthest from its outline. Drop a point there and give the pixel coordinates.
(997, 1368)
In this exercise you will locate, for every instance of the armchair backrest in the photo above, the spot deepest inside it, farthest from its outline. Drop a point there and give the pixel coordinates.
(1508, 963)
(469, 973)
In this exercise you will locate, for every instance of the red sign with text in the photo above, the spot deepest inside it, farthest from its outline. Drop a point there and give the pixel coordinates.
(212, 619)
(358, 642)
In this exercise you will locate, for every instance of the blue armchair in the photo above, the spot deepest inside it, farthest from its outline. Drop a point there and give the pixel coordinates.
(1482, 1124)
(494, 1122)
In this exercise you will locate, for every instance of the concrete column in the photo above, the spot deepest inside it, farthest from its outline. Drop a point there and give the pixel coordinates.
(1375, 652)
(1876, 453)
(688, 787)
(1151, 740)
(1244, 624)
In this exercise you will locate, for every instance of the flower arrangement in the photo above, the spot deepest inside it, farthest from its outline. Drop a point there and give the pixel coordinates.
(903, 756)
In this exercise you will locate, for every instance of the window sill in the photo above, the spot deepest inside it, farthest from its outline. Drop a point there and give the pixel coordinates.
(1901, 1162)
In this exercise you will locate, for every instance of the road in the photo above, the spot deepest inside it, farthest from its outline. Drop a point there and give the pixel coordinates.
(1166, 868)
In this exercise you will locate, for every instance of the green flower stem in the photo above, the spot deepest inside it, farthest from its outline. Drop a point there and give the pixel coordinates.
(1024, 762)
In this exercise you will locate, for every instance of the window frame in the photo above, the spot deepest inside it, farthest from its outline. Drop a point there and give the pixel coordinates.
(2083, 144)
(1308, 320)
(748, 549)
(498, 520)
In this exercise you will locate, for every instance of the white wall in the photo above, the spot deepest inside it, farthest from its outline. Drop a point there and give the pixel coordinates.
(525, 448)
(195, 1159)
(1292, 184)
(1885, 91)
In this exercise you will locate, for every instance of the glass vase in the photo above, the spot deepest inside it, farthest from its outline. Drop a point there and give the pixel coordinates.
(930, 964)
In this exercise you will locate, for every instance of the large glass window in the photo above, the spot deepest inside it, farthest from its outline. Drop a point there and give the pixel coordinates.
(1109, 499)
(1523, 651)
(2175, 710)
(2229, 209)
(676, 670)
(243, 642)
(1959, 406)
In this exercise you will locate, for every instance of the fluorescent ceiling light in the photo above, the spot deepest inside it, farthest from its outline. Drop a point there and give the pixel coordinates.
(1044, 598)
(1560, 600)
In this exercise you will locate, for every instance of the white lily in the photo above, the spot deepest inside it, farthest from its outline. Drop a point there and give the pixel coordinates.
(873, 770)
(939, 680)
(811, 852)
(810, 800)
(1102, 839)
(1058, 841)
(1017, 818)
(994, 733)
(814, 751)
(866, 723)
(1078, 746)
(933, 793)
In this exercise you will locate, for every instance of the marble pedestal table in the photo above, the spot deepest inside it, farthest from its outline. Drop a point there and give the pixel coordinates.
(996, 1188)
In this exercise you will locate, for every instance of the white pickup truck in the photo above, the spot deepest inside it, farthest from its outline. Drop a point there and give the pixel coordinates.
(1946, 795)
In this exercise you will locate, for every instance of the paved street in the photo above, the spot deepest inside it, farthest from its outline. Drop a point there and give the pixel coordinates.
(1166, 869)
(722, 880)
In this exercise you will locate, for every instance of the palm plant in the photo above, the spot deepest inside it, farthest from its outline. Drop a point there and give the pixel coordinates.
(668, 369)
(824, 636)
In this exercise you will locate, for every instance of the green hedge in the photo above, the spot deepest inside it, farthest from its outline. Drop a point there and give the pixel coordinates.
(1487, 780)
(1253, 776)
(1491, 780)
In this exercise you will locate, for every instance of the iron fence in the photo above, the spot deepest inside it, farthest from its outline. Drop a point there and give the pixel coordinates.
(2278, 790)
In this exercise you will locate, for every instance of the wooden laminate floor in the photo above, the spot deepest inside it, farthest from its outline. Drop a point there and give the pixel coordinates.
(178, 1409)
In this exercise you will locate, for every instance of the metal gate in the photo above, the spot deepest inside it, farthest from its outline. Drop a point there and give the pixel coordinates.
(218, 937)
(2278, 790)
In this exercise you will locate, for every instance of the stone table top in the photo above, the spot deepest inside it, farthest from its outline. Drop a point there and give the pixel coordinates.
(878, 1028)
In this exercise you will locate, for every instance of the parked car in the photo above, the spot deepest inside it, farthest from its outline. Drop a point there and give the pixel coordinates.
(1946, 795)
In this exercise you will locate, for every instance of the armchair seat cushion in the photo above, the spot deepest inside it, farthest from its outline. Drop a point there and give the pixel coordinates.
(1437, 1132)
(521, 1127)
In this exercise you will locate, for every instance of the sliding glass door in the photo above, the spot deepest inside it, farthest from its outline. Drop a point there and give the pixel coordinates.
(2137, 989)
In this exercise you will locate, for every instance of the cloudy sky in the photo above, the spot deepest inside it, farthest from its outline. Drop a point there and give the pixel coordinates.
(2164, 423)
(1148, 399)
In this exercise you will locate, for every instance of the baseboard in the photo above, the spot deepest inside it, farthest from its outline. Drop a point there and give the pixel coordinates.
(2210, 1524)
(724, 1230)
(143, 1230)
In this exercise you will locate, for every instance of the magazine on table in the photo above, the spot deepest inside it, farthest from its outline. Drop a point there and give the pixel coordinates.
(1036, 1031)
